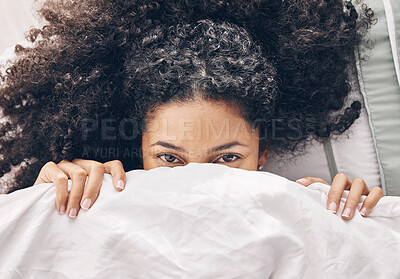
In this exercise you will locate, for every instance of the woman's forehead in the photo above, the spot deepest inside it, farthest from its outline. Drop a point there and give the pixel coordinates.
(201, 121)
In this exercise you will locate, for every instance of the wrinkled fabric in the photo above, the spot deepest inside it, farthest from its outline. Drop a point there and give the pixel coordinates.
(197, 221)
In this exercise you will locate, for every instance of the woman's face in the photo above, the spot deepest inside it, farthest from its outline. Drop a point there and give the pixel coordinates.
(200, 131)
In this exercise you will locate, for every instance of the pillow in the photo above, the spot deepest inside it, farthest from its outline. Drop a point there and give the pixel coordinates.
(197, 221)
(16, 17)
(353, 153)
(371, 147)
(380, 86)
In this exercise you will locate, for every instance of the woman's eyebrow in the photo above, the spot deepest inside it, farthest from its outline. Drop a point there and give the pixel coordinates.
(227, 145)
(214, 149)
(169, 145)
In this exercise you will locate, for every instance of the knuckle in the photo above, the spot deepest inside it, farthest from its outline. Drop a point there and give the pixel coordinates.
(117, 162)
(378, 190)
(341, 175)
(63, 162)
(81, 174)
(359, 180)
(99, 167)
(61, 178)
(48, 164)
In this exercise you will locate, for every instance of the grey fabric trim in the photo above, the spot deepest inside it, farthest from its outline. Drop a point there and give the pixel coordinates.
(330, 157)
(361, 83)
(396, 12)
(381, 92)
(391, 26)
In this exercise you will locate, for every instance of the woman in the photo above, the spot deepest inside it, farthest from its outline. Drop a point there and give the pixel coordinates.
(97, 65)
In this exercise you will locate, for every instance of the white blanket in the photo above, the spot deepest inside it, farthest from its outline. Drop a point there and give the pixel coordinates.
(197, 221)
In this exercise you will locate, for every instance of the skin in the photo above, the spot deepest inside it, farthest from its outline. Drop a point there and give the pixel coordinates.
(357, 188)
(180, 133)
(201, 132)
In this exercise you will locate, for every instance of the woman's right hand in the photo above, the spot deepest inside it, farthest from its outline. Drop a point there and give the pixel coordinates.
(78, 170)
(357, 188)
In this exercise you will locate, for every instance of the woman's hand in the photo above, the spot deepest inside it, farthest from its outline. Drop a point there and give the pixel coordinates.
(357, 188)
(78, 170)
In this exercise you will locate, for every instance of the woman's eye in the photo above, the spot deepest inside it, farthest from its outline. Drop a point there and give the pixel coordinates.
(169, 158)
(227, 158)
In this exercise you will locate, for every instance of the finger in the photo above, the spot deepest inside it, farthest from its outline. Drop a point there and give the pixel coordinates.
(356, 190)
(366, 190)
(95, 172)
(371, 200)
(116, 169)
(307, 181)
(44, 174)
(50, 172)
(78, 176)
(339, 183)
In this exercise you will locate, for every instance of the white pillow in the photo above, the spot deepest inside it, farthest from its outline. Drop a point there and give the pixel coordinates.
(16, 17)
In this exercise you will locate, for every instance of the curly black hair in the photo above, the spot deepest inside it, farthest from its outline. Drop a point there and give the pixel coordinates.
(84, 62)
(203, 60)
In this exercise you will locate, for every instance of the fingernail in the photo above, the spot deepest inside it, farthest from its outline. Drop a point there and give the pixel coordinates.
(120, 184)
(363, 211)
(332, 207)
(302, 181)
(346, 213)
(72, 213)
(62, 209)
(86, 204)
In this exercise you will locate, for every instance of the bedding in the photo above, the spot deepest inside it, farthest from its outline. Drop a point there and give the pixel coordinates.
(197, 221)
(16, 17)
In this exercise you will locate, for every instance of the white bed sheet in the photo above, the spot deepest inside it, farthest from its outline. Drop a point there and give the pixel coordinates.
(197, 221)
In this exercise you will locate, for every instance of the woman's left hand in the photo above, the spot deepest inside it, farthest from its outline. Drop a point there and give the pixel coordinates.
(357, 188)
